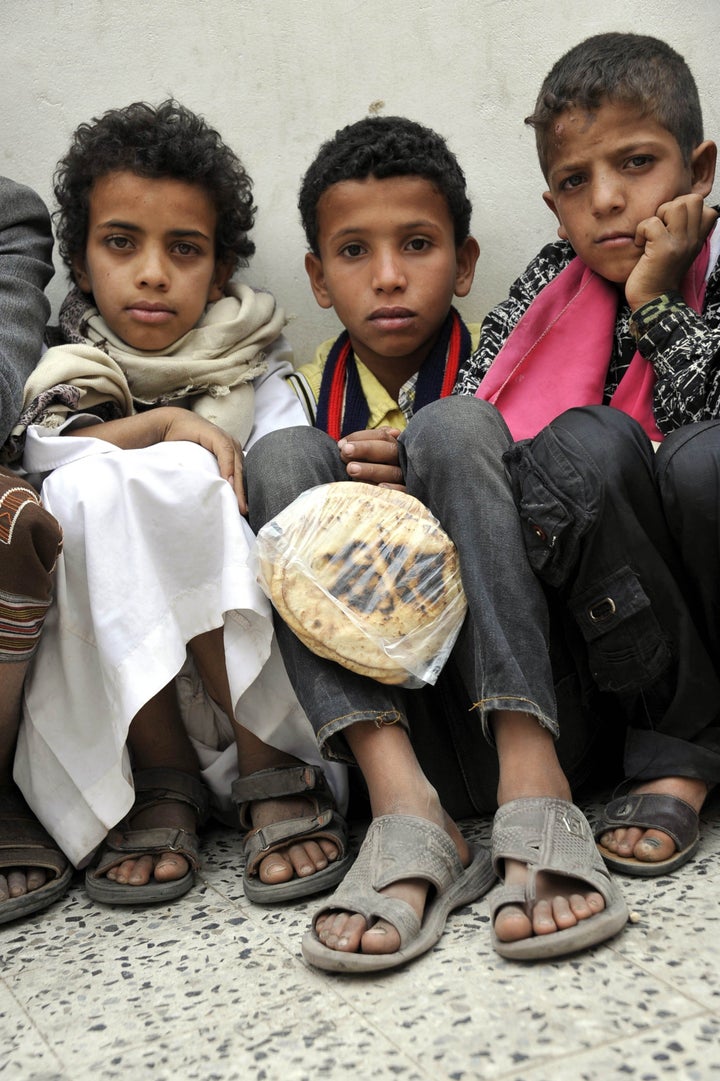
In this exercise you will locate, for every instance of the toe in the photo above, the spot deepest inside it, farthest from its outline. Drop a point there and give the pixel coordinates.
(382, 937)
(36, 878)
(275, 868)
(512, 924)
(170, 866)
(654, 846)
(17, 884)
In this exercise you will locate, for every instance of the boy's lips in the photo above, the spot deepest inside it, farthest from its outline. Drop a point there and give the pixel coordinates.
(391, 318)
(616, 239)
(146, 312)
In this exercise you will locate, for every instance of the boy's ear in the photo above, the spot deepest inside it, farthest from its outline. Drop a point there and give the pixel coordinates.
(314, 268)
(550, 202)
(80, 274)
(223, 273)
(702, 163)
(466, 256)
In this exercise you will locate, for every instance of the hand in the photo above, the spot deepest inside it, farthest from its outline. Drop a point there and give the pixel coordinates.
(188, 426)
(372, 457)
(168, 424)
(671, 241)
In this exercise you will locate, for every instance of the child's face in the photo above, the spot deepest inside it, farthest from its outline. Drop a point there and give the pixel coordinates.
(150, 257)
(389, 266)
(609, 171)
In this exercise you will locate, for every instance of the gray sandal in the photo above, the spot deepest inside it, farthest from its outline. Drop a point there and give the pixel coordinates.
(398, 847)
(656, 811)
(552, 836)
(321, 823)
(152, 786)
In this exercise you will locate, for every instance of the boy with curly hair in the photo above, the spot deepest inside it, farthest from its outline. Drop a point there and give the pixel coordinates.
(155, 679)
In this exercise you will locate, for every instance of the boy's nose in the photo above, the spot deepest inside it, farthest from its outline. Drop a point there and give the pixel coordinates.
(607, 194)
(388, 273)
(153, 270)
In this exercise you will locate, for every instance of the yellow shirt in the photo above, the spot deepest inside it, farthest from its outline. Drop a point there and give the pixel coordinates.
(384, 410)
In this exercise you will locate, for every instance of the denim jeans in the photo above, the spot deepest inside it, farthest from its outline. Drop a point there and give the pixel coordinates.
(451, 455)
(596, 533)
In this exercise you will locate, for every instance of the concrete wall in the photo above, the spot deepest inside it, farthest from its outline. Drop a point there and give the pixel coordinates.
(277, 77)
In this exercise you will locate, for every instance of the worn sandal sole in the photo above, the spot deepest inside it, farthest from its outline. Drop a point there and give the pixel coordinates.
(475, 880)
(16, 908)
(265, 893)
(108, 892)
(627, 865)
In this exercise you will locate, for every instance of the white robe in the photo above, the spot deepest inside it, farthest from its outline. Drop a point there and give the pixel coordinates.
(155, 552)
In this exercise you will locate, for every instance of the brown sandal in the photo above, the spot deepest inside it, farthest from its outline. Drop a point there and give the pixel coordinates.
(322, 823)
(152, 786)
(24, 843)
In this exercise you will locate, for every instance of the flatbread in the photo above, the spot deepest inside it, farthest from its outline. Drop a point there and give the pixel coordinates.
(366, 577)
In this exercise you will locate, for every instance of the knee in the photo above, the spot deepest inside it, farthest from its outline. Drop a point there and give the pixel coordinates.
(31, 539)
(455, 429)
(688, 465)
(285, 463)
(611, 440)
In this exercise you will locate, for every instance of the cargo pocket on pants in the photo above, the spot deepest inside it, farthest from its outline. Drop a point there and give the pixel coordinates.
(627, 649)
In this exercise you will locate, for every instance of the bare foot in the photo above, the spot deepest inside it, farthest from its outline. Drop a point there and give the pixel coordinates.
(562, 903)
(349, 932)
(167, 866)
(18, 881)
(303, 858)
(648, 845)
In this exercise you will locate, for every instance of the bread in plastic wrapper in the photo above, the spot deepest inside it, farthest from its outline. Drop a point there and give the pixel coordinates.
(365, 576)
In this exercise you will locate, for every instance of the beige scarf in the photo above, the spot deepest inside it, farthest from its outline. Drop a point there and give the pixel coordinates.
(213, 364)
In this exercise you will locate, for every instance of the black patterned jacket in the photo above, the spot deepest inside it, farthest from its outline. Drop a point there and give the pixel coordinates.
(682, 345)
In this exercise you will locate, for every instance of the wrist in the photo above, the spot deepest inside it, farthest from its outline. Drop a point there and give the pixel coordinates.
(649, 314)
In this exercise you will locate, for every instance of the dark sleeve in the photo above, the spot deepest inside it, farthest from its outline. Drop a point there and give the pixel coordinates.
(684, 349)
(499, 322)
(25, 269)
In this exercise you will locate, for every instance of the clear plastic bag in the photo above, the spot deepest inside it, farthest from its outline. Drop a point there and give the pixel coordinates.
(365, 576)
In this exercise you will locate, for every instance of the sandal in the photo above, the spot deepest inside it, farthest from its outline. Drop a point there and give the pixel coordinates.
(553, 836)
(24, 843)
(324, 823)
(398, 847)
(152, 787)
(650, 810)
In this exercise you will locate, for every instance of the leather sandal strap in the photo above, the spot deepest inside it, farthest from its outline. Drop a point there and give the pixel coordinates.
(161, 784)
(121, 845)
(280, 781)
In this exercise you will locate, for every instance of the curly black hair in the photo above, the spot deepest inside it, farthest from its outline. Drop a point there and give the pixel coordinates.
(384, 146)
(164, 141)
(628, 68)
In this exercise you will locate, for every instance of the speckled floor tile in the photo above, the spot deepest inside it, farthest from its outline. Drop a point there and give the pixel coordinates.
(214, 988)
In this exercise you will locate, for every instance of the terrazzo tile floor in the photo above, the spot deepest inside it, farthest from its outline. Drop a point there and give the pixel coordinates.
(214, 988)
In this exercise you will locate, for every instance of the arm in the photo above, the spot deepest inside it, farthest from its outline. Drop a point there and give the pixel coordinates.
(167, 424)
(684, 349)
(25, 269)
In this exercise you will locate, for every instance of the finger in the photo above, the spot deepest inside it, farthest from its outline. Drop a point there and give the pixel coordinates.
(378, 451)
(372, 473)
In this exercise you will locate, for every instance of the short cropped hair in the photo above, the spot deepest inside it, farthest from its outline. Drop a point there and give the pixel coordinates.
(167, 141)
(624, 68)
(382, 147)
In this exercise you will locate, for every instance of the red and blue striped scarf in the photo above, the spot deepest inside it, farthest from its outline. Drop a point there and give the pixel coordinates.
(342, 408)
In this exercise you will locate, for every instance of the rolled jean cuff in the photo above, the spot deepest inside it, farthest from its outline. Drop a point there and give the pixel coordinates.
(486, 706)
(649, 755)
(333, 744)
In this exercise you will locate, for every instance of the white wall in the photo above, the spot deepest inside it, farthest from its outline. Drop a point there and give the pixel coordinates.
(278, 77)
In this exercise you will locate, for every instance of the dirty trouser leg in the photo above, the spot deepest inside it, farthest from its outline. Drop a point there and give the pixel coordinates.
(595, 531)
(278, 468)
(451, 454)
